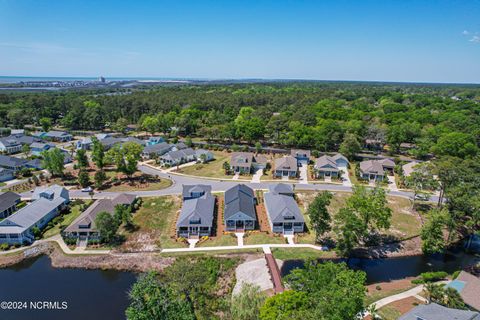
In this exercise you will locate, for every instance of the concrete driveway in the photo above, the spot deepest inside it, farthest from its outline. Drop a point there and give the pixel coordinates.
(256, 177)
(392, 185)
(303, 172)
(346, 177)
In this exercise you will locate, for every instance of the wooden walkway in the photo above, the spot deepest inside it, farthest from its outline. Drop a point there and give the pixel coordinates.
(274, 273)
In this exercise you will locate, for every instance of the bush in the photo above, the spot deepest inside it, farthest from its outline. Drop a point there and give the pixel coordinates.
(455, 274)
(4, 246)
(430, 277)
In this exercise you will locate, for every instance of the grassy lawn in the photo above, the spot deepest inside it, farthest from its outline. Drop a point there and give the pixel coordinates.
(212, 169)
(263, 238)
(404, 223)
(155, 222)
(389, 313)
(223, 240)
(164, 183)
(67, 220)
(212, 253)
(381, 290)
(300, 253)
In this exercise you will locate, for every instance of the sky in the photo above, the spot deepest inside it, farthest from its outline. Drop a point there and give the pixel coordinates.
(402, 40)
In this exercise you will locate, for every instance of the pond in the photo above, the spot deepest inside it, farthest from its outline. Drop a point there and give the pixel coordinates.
(380, 270)
(74, 293)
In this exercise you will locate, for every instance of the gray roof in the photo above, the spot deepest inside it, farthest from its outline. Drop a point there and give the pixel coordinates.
(199, 152)
(239, 203)
(40, 145)
(280, 188)
(434, 311)
(159, 148)
(280, 206)
(241, 159)
(86, 220)
(197, 209)
(326, 163)
(8, 199)
(470, 289)
(56, 134)
(27, 139)
(371, 166)
(188, 190)
(11, 162)
(9, 142)
(300, 153)
(179, 154)
(55, 190)
(110, 141)
(133, 139)
(287, 163)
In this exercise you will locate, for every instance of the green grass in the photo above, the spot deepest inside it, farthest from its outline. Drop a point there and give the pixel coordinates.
(380, 294)
(67, 220)
(212, 169)
(212, 253)
(300, 253)
(389, 313)
(223, 240)
(163, 184)
(262, 238)
(158, 215)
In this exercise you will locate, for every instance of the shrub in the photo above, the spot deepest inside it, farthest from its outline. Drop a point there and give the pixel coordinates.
(430, 277)
(4, 246)
(455, 274)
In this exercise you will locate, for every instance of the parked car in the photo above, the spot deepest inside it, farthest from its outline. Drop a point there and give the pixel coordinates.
(87, 189)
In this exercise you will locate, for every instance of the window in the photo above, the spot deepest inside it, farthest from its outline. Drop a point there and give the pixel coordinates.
(195, 221)
(278, 224)
(289, 218)
(297, 224)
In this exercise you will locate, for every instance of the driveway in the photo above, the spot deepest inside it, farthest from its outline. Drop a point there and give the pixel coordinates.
(303, 172)
(257, 176)
(346, 177)
(392, 185)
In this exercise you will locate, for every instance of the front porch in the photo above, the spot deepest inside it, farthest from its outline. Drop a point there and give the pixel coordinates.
(239, 225)
(194, 232)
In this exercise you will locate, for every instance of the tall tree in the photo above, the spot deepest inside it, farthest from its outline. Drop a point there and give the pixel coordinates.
(319, 215)
(107, 226)
(53, 160)
(125, 157)
(246, 304)
(289, 304)
(98, 153)
(152, 300)
(432, 236)
(82, 160)
(350, 146)
(45, 123)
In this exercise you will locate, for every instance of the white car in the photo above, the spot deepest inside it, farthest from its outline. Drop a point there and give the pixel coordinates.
(87, 189)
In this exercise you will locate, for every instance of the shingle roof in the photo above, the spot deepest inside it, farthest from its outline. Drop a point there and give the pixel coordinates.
(241, 159)
(280, 206)
(8, 199)
(30, 215)
(471, 290)
(9, 142)
(197, 209)
(159, 148)
(187, 189)
(6, 161)
(300, 152)
(434, 311)
(371, 166)
(325, 162)
(55, 189)
(287, 163)
(54, 133)
(239, 200)
(280, 188)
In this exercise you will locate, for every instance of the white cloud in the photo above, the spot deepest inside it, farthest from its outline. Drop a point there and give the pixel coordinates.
(465, 33)
(475, 39)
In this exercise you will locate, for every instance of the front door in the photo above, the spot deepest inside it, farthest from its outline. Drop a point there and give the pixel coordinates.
(239, 225)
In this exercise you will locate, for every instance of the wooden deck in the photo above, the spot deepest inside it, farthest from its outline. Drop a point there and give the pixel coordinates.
(274, 273)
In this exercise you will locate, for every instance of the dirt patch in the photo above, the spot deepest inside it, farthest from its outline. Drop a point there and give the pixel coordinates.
(390, 286)
(262, 218)
(405, 305)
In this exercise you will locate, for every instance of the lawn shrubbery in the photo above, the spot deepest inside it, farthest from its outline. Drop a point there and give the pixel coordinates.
(427, 277)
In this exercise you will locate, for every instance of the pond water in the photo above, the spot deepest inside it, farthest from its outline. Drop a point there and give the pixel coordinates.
(88, 294)
(380, 270)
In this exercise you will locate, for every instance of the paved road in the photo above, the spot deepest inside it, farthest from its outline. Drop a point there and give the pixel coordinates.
(217, 186)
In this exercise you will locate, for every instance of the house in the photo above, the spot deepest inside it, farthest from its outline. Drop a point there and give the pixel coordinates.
(26, 139)
(133, 139)
(195, 191)
(435, 311)
(373, 144)
(6, 174)
(246, 162)
(58, 136)
(35, 164)
(285, 167)
(37, 148)
(86, 143)
(84, 228)
(330, 166)
(301, 155)
(203, 155)
(47, 203)
(154, 140)
(376, 169)
(239, 208)
(179, 146)
(177, 157)
(12, 163)
(283, 213)
(468, 286)
(241, 162)
(10, 145)
(8, 203)
(155, 150)
(109, 142)
(17, 132)
(196, 216)
(281, 188)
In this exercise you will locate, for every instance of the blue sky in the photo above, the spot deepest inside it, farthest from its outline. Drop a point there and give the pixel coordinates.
(404, 40)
